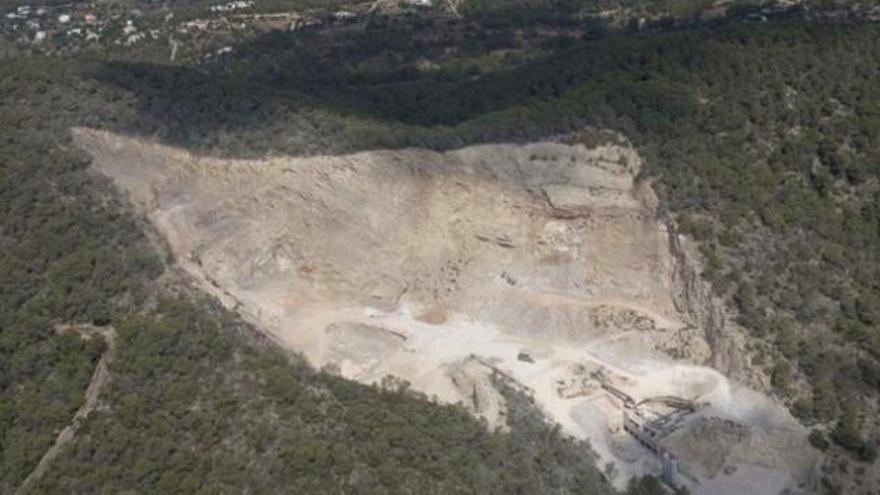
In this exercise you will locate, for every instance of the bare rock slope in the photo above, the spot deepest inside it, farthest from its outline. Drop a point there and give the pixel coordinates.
(545, 262)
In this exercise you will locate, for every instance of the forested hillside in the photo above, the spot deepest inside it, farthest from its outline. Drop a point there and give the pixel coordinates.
(763, 139)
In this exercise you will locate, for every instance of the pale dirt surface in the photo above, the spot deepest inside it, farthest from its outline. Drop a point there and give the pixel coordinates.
(440, 268)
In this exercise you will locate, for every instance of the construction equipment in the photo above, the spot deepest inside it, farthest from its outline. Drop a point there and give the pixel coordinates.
(648, 425)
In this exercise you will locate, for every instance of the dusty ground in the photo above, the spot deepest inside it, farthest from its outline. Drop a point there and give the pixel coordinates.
(442, 267)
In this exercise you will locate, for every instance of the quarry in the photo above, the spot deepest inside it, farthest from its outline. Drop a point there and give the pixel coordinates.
(545, 263)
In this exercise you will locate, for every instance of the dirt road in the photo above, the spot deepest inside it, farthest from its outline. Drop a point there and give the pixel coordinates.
(93, 391)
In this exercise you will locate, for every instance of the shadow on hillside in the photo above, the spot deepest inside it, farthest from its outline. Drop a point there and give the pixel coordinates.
(304, 93)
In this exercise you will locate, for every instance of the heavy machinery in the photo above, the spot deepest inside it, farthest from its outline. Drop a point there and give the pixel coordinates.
(650, 420)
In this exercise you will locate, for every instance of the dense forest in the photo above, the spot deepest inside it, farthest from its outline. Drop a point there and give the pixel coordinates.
(763, 139)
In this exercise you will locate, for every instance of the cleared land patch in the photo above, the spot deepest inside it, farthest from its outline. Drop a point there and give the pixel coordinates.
(545, 262)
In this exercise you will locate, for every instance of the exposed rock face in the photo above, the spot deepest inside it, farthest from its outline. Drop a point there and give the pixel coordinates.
(545, 239)
(442, 268)
(473, 379)
(694, 297)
